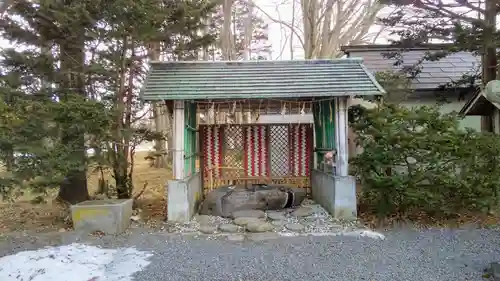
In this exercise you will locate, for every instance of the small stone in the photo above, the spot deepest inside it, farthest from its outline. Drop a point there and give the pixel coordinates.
(262, 236)
(276, 216)
(249, 214)
(236, 237)
(259, 226)
(302, 212)
(242, 221)
(62, 230)
(135, 218)
(207, 229)
(278, 223)
(295, 226)
(231, 228)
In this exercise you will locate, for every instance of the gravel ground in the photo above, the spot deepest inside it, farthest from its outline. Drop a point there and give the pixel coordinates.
(404, 255)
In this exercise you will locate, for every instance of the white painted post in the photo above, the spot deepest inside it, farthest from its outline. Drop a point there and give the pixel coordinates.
(341, 136)
(178, 145)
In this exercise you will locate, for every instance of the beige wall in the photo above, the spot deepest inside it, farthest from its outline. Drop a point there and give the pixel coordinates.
(473, 122)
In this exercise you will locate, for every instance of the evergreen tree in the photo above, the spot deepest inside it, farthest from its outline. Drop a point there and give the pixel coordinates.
(72, 82)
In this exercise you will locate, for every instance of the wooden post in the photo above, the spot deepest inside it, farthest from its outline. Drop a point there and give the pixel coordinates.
(496, 120)
(178, 145)
(341, 136)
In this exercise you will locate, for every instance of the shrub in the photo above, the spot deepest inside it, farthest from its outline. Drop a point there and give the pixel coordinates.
(419, 160)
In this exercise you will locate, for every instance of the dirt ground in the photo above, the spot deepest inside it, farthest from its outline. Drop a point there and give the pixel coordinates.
(23, 215)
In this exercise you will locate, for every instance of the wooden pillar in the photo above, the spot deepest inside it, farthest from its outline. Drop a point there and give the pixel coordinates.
(341, 136)
(178, 141)
(496, 120)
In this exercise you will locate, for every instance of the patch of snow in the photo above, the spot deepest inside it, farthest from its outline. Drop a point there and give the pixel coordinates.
(358, 233)
(366, 233)
(75, 262)
(288, 234)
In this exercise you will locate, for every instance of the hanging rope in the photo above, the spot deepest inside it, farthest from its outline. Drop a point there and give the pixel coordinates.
(258, 111)
(217, 114)
(331, 111)
(320, 114)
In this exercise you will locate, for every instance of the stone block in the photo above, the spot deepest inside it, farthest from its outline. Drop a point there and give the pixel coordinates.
(183, 198)
(335, 193)
(109, 216)
(495, 271)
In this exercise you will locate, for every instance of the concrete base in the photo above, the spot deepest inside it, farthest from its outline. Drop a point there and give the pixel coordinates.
(183, 198)
(109, 216)
(495, 271)
(336, 194)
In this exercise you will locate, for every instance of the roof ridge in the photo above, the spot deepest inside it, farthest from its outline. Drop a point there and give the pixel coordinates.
(302, 61)
(388, 47)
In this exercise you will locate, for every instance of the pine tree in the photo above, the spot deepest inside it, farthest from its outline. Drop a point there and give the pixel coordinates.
(74, 83)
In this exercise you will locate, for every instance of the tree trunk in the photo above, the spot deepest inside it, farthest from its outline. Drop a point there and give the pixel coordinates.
(248, 34)
(159, 145)
(226, 34)
(291, 29)
(74, 188)
(123, 107)
(489, 58)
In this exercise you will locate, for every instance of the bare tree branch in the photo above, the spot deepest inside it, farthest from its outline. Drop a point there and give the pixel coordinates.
(329, 24)
(293, 28)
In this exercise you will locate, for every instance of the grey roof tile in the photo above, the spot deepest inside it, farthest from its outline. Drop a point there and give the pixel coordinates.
(258, 79)
(433, 73)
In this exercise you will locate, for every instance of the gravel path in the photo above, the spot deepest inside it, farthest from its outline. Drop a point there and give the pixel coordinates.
(404, 255)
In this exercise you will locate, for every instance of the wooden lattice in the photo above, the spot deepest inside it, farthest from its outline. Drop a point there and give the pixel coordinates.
(245, 154)
(279, 150)
(233, 152)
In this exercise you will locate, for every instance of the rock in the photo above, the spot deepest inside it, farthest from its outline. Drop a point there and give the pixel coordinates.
(299, 195)
(302, 212)
(276, 216)
(62, 230)
(249, 214)
(295, 226)
(231, 228)
(236, 237)
(208, 229)
(262, 236)
(135, 218)
(242, 221)
(203, 219)
(226, 200)
(259, 226)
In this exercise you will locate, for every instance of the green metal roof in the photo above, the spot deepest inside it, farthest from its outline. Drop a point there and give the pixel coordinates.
(190, 80)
